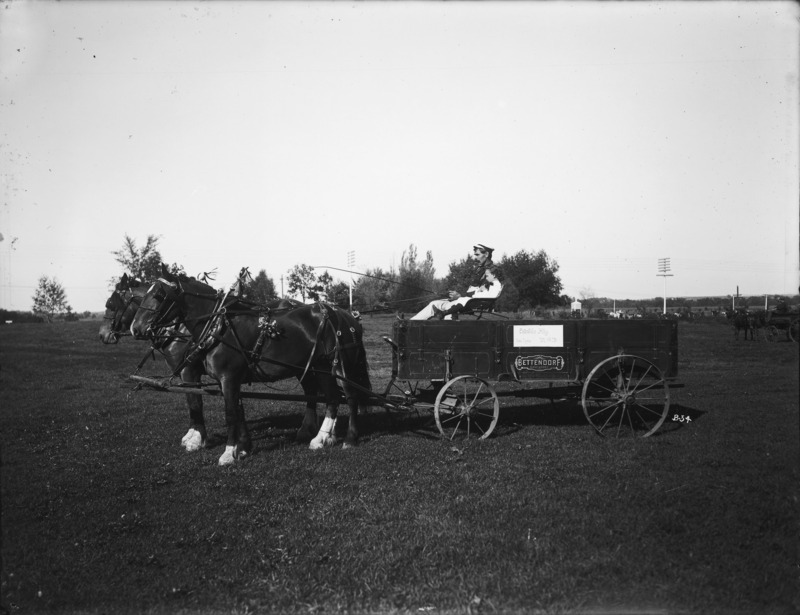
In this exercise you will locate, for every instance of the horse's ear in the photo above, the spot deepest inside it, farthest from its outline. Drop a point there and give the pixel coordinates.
(164, 270)
(124, 279)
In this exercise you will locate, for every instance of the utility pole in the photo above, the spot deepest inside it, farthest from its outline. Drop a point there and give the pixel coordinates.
(663, 271)
(282, 295)
(351, 261)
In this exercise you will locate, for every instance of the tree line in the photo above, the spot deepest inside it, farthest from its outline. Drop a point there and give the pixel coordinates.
(531, 282)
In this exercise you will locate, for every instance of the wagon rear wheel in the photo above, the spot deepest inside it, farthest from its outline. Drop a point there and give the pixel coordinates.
(466, 407)
(625, 396)
(794, 330)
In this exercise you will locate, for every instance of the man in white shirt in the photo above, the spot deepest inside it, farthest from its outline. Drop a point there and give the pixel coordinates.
(487, 284)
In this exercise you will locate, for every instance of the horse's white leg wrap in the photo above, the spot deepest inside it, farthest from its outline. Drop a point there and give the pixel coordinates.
(192, 441)
(325, 437)
(227, 457)
(186, 437)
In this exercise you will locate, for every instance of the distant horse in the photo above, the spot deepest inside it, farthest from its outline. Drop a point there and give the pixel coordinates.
(758, 323)
(320, 344)
(743, 320)
(173, 341)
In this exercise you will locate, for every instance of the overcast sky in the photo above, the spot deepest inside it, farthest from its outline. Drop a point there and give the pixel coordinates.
(268, 134)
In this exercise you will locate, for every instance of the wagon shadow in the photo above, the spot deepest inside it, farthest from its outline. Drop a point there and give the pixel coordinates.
(277, 431)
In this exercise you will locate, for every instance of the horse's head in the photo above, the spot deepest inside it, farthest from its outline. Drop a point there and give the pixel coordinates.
(120, 309)
(170, 300)
(160, 307)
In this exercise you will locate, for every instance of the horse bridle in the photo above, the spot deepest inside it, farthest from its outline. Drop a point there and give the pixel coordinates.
(121, 308)
(163, 317)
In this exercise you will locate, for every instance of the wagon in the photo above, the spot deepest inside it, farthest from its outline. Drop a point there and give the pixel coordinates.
(620, 370)
(786, 321)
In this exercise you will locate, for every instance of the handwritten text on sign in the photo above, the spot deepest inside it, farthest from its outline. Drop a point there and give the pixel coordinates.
(538, 336)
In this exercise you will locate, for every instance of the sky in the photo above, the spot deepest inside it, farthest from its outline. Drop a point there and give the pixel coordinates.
(270, 134)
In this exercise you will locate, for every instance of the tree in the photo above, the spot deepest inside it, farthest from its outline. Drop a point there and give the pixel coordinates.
(461, 275)
(303, 281)
(338, 293)
(50, 299)
(415, 281)
(374, 288)
(324, 284)
(534, 276)
(142, 263)
(261, 288)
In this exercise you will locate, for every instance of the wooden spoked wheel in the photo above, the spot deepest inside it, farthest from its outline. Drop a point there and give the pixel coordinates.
(794, 330)
(625, 396)
(466, 407)
(771, 333)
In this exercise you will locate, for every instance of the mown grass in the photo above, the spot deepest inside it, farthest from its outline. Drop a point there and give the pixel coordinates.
(103, 512)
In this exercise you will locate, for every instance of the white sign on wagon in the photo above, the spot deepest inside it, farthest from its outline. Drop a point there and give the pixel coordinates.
(526, 336)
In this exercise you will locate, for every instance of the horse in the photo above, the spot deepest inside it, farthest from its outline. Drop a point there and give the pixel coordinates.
(120, 308)
(173, 342)
(237, 342)
(743, 320)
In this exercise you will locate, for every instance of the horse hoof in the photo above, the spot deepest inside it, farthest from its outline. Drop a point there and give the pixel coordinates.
(194, 442)
(227, 457)
(188, 435)
(322, 442)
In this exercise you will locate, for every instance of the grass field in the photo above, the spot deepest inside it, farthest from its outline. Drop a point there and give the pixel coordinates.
(103, 512)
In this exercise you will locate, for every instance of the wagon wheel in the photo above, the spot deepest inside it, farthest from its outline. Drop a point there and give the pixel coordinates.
(625, 395)
(771, 333)
(794, 330)
(466, 407)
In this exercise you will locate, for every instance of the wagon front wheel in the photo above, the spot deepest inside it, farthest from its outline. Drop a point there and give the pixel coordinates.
(625, 396)
(466, 407)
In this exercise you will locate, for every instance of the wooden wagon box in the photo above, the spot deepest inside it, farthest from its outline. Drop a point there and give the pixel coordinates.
(521, 350)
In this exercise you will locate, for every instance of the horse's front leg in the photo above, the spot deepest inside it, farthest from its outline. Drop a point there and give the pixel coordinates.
(326, 435)
(352, 425)
(238, 444)
(195, 438)
(310, 426)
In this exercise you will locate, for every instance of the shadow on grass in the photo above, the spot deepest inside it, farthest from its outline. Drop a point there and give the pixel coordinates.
(279, 430)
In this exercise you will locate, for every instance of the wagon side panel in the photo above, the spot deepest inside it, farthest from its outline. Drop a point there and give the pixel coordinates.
(541, 350)
(435, 350)
(654, 340)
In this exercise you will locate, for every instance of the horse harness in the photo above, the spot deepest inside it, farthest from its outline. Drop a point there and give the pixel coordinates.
(219, 323)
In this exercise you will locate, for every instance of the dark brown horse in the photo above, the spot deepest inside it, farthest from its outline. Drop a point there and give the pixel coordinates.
(120, 309)
(173, 341)
(238, 342)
